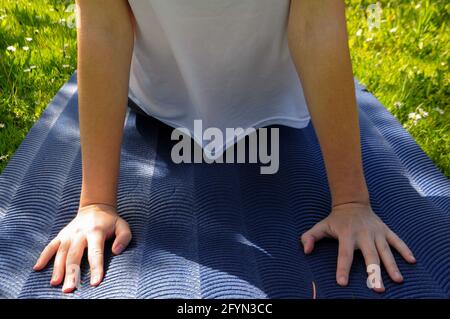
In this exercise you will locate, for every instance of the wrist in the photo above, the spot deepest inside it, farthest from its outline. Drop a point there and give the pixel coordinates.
(349, 187)
(107, 199)
(360, 197)
(97, 207)
(356, 200)
(351, 204)
(100, 202)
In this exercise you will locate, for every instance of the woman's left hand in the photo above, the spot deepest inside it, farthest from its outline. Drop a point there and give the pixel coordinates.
(356, 226)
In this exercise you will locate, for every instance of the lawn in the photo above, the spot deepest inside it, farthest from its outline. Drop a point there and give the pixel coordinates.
(37, 55)
(404, 61)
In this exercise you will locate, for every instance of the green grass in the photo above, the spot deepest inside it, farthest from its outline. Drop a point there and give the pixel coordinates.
(404, 62)
(30, 78)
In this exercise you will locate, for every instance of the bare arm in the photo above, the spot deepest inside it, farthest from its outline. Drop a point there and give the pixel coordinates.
(318, 42)
(319, 46)
(105, 44)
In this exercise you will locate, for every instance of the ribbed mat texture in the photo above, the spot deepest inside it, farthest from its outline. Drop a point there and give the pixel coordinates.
(220, 230)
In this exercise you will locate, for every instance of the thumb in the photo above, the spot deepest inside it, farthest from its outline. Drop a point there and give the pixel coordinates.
(316, 233)
(123, 236)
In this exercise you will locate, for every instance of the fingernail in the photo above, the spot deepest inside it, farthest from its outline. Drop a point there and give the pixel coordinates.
(413, 259)
(95, 279)
(68, 285)
(119, 249)
(36, 264)
(398, 275)
(342, 281)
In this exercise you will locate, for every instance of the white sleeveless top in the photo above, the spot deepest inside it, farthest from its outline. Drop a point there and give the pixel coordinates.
(225, 62)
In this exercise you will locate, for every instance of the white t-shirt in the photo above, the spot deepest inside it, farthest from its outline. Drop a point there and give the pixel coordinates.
(225, 62)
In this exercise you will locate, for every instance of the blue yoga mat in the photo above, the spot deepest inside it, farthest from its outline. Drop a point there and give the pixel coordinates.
(220, 230)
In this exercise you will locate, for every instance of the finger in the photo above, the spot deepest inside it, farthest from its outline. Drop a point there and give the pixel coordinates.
(60, 263)
(316, 233)
(123, 237)
(372, 260)
(345, 260)
(401, 247)
(74, 256)
(96, 246)
(47, 254)
(388, 260)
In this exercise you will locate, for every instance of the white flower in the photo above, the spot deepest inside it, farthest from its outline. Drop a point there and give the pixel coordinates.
(414, 116)
(439, 110)
(359, 32)
(2, 125)
(398, 104)
(423, 113)
(25, 48)
(32, 67)
(27, 70)
(11, 48)
(393, 30)
(28, 39)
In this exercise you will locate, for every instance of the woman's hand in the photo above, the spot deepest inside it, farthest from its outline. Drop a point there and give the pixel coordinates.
(357, 227)
(92, 226)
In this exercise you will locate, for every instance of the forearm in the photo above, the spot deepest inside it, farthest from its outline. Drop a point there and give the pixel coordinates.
(104, 57)
(319, 47)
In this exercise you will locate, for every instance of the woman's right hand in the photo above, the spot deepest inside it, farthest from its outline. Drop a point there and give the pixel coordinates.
(92, 226)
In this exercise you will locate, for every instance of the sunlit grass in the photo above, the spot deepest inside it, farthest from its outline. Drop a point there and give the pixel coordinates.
(37, 55)
(404, 62)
